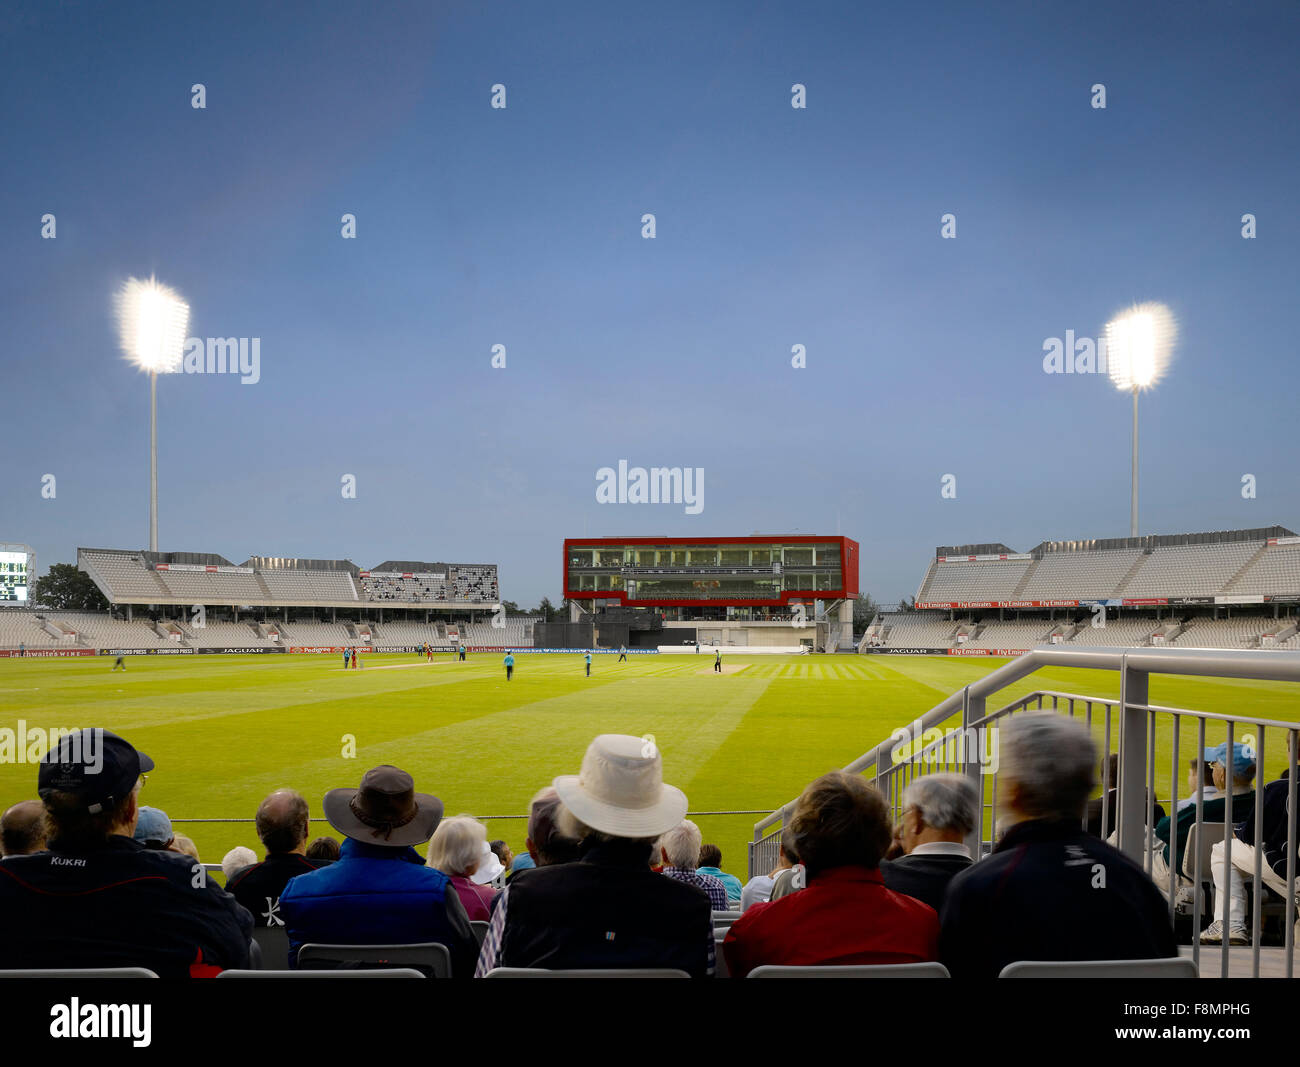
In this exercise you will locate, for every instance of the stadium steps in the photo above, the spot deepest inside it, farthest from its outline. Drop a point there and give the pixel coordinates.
(57, 632)
(1132, 573)
(1169, 631)
(1019, 590)
(1286, 629)
(1245, 568)
(266, 589)
(922, 594)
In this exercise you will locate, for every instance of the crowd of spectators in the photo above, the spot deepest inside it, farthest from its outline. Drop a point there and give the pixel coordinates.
(614, 875)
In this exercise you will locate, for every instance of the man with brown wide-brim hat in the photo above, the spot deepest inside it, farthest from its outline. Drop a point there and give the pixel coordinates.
(379, 892)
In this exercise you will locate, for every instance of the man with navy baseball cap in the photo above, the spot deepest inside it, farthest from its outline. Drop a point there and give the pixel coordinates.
(98, 898)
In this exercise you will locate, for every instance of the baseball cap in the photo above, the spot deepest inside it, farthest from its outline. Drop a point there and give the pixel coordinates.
(96, 764)
(153, 825)
(1243, 758)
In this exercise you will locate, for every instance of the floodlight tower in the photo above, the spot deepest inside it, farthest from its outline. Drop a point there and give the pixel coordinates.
(152, 321)
(1139, 345)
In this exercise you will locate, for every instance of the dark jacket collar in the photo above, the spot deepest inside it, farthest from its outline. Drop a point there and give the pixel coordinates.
(116, 843)
(616, 852)
(1036, 830)
(353, 849)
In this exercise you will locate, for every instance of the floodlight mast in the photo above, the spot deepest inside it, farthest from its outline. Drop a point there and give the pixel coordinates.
(1133, 504)
(153, 320)
(1140, 342)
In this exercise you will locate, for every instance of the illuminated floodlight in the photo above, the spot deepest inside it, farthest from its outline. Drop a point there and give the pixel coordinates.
(1140, 345)
(1139, 349)
(153, 322)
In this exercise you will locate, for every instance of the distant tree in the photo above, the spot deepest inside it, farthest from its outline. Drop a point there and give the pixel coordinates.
(511, 608)
(68, 588)
(864, 610)
(546, 609)
(907, 604)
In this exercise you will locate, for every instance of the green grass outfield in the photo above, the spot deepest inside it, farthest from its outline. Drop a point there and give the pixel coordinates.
(226, 730)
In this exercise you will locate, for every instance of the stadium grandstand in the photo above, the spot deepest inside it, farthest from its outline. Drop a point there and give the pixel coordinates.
(269, 604)
(1228, 589)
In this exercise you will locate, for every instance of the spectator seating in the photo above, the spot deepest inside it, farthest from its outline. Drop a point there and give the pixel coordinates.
(432, 956)
(82, 972)
(884, 970)
(538, 972)
(1079, 575)
(378, 972)
(965, 581)
(1190, 570)
(1277, 569)
(1173, 967)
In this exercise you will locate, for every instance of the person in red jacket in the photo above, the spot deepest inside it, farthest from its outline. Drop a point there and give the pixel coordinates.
(845, 915)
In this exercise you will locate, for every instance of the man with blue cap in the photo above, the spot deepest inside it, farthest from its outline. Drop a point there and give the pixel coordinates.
(1233, 769)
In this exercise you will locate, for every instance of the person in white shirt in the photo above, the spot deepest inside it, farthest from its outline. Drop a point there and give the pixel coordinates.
(758, 890)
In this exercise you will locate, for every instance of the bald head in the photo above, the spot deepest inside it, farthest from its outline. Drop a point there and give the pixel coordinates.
(22, 829)
(282, 822)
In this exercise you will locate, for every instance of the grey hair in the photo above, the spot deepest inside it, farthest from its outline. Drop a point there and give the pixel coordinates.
(682, 844)
(1052, 761)
(944, 801)
(457, 845)
(237, 859)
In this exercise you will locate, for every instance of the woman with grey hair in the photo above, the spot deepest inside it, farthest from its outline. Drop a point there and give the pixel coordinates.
(460, 850)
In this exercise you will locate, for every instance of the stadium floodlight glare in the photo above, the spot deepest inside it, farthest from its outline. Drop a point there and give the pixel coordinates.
(152, 321)
(1139, 346)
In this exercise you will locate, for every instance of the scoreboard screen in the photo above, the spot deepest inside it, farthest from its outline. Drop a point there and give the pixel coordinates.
(13, 577)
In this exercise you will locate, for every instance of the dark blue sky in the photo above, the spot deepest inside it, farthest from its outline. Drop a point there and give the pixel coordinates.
(522, 227)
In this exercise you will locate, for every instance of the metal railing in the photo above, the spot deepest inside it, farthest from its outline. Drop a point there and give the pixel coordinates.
(1133, 734)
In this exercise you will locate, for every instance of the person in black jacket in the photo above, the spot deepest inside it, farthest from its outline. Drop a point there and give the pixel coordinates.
(99, 899)
(939, 812)
(282, 822)
(607, 909)
(1110, 782)
(1230, 883)
(1049, 891)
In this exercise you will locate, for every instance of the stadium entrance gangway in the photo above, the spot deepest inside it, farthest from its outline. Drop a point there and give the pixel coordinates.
(1131, 726)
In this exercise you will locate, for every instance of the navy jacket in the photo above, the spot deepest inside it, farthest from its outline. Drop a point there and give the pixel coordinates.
(1050, 891)
(924, 877)
(376, 895)
(1275, 827)
(258, 886)
(120, 906)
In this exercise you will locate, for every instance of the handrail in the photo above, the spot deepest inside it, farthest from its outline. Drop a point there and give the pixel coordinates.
(1253, 664)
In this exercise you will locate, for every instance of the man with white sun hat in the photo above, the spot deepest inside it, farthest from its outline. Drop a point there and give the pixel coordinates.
(607, 909)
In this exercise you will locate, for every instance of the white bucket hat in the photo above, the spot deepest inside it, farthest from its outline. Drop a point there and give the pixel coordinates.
(488, 866)
(620, 790)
